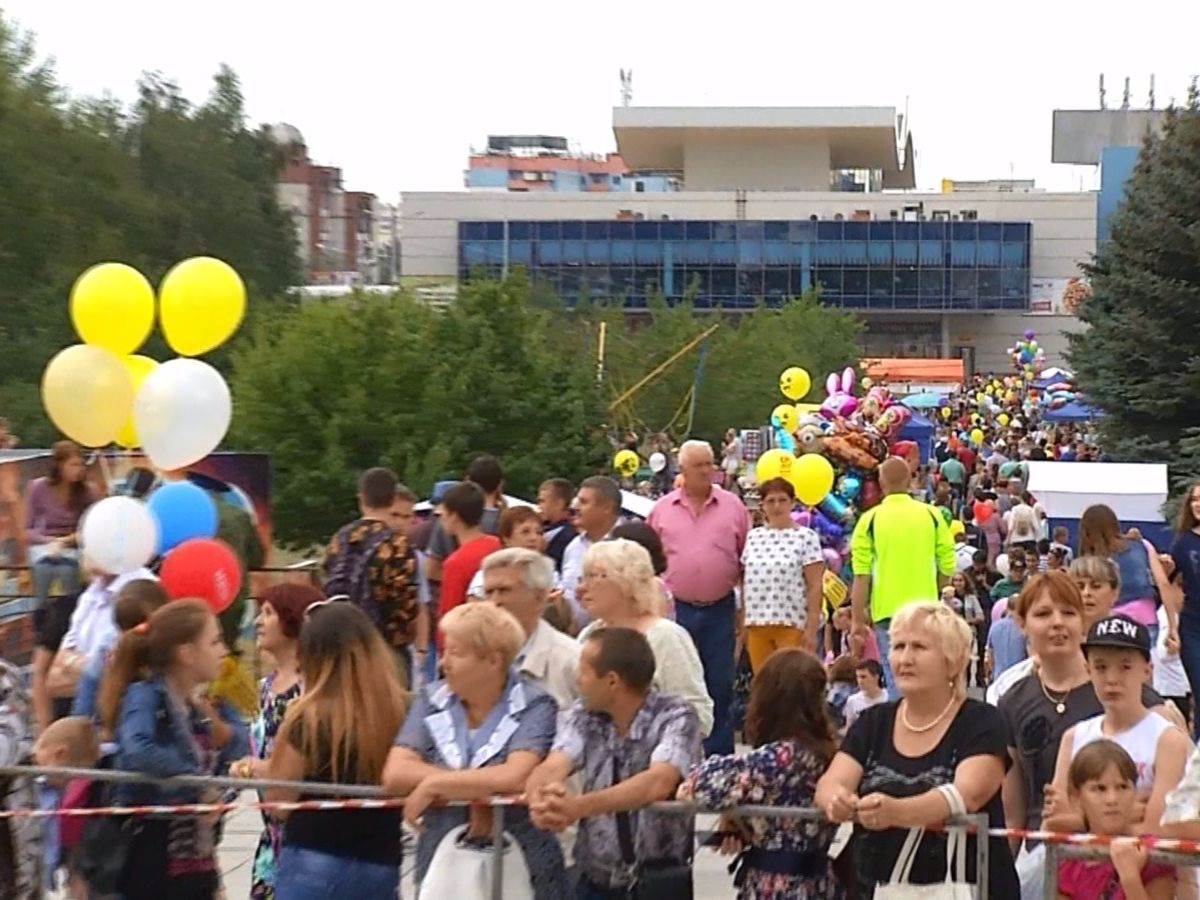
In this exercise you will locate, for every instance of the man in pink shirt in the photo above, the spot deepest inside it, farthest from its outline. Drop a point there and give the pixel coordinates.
(703, 529)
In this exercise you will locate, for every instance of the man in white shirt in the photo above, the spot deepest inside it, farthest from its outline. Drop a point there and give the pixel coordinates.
(520, 581)
(597, 513)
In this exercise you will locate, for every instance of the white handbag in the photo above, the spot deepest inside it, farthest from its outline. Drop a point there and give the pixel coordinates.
(464, 872)
(898, 887)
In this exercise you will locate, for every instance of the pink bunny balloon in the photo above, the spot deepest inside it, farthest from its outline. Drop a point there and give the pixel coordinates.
(840, 400)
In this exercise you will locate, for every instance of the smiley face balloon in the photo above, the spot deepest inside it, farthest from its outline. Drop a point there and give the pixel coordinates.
(794, 383)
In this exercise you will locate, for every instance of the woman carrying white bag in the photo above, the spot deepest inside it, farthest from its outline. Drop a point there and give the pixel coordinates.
(478, 733)
(908, 764)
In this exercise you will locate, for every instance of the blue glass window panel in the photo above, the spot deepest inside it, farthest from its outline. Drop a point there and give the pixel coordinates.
(855, 281)
(550, 252)
(621, 230)
(750, 252)
(962, 284)
(884, 230)
(908, 231)
(724, 281)
(700, 231)
(776, 282)
(855, 231)
(1012, 254)
(549, 231)
(474, 253)
(855, 252)
(989, 283)
(989, 253)
(800, 254)
(990, 231)
(750, 283)
(882, 283)
(777, 252)
(1016, 231)
(645, 279)
(964, 231)
(572, 230)
(520, 231)
(572, 251)
(494, 231)
(520, 252)
(905, 253)
(932, 282)
(723, 252)
(880, 253)
(645, 231)
(698, 281)
(678, 281)
(800, 231)
(931, 253)
(673, 252)
(621, 279)
(671, 231)
(622, 252)
(596, 231)
(696, 252)
(801, 281)
(723, 231)
(472, 231)
(599, 251)
(908, 281)
(855, 301)
(829, 253)
(750, 230)
(933, 231)
(647, 253)
(829, 281)
(829, 231)
(495, 253)
(962, 253)
(775, 231)
(1014, 282)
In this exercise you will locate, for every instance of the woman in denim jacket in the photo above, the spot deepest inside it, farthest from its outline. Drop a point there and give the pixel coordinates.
(162, 727)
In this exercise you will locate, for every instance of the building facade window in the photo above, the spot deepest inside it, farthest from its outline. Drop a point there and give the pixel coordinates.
(935, 265)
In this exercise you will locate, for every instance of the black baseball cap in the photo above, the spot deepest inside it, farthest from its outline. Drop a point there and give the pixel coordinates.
(1120, 633)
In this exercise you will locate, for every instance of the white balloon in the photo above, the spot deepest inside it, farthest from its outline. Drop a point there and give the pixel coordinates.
(181, 412)
(119, 535)
(658, 462)
(1002, 564)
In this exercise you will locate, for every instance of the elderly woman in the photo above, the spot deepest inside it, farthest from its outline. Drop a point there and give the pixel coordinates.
(900, 760)
(618, 588)
(479, 732)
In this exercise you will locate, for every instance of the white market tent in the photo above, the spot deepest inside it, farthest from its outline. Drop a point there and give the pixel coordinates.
(1134, 491)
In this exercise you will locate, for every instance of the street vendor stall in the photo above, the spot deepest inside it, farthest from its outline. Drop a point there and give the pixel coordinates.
(1134, 491)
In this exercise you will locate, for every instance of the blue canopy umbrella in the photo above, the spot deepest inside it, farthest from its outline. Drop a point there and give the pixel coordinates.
(923, 400)
(1075, 411)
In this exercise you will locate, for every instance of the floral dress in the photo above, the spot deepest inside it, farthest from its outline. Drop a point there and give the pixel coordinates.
(783, 773)
(272, 708)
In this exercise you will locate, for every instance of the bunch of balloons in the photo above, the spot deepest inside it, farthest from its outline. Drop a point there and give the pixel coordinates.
(101, 391)
(1027, 357)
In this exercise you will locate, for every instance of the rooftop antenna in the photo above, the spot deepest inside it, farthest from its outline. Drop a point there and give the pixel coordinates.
(1152, 90)
(626, 86)
(1125, 97)
(1103, 101)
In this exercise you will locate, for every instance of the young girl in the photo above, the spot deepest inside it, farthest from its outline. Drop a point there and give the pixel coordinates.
(163, 727)
(1118, 658)
(794, 742)
(1102, 783)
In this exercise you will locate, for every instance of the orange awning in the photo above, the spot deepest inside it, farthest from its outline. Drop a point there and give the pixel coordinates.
(922, 370)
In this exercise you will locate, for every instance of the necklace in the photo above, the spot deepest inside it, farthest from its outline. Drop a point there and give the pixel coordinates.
(1060, 703)
(924, 728)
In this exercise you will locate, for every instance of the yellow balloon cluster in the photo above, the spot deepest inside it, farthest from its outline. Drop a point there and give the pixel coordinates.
(626, 463)
(811, 475)
(88, 389)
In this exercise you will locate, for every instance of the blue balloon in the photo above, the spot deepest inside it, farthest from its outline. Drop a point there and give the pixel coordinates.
(783, 440)
(833, 506)
(850, 487)
(183, 511)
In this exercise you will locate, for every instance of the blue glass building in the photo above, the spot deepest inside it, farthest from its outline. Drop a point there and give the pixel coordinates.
(862, 265)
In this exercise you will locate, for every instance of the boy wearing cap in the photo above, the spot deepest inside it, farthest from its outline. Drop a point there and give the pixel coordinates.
(1118, 660)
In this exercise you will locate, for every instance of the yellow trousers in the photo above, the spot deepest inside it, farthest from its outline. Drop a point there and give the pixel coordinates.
(763, 640)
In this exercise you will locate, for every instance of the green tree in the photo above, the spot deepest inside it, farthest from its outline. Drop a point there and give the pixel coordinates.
(1135, 361)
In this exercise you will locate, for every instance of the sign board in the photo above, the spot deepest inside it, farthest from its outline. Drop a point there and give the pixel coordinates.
(1058, 296)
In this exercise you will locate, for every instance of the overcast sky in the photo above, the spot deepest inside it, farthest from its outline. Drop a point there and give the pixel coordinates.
(397, 93)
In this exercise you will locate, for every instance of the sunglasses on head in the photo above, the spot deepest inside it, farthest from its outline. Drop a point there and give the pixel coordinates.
(313, 607)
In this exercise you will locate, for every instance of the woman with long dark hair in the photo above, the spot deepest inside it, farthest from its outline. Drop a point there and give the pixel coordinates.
(1185, 551)
(339, 730)
(794, 741)
(53, 507)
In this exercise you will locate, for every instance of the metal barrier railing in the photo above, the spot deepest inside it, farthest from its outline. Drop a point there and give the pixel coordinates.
(1057, 852)
(976, 824)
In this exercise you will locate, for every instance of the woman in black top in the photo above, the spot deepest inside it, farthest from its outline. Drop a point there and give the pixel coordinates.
(339, 730)
(896, 756)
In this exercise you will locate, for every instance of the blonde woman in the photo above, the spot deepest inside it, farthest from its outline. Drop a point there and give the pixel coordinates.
(619, 589)
(480, 732)
(900, 759)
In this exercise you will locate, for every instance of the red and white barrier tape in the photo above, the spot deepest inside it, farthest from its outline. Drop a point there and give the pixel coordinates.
(1178, 845)
(203, 809)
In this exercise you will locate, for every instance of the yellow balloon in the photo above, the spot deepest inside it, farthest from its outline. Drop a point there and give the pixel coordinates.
(138, 368)
(1002, 419)
(976, 436)
(867, 383)
(957, 528)
(775, 463)
(785, 414)
(946, 412)
(87, 393)
(794, 382)
(812, 476)
(201, 304)
(626, 463)
(112, 306)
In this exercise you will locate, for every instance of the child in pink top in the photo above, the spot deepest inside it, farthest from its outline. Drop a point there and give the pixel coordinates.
(1101, 786)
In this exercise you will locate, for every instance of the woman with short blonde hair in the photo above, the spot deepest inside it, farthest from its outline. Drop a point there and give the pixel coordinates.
(486, 629)
(618, 588)
(950, 632)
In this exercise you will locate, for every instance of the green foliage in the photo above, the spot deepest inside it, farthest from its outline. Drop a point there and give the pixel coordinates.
(1136, 361)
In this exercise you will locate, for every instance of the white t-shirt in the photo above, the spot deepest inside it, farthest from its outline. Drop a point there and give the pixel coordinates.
(1140, 742)
(773, 561)
(857, 702)
(1169, 677)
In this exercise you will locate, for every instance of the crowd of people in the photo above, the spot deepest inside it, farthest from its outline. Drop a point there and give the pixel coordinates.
(591, 665)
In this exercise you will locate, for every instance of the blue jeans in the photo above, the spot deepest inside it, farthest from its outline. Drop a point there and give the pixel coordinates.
(884, 640)
(1189, 653)
(311, 875)
(713, 633)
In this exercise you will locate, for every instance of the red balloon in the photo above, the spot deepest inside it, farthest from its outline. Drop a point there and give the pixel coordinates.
(205, 569)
